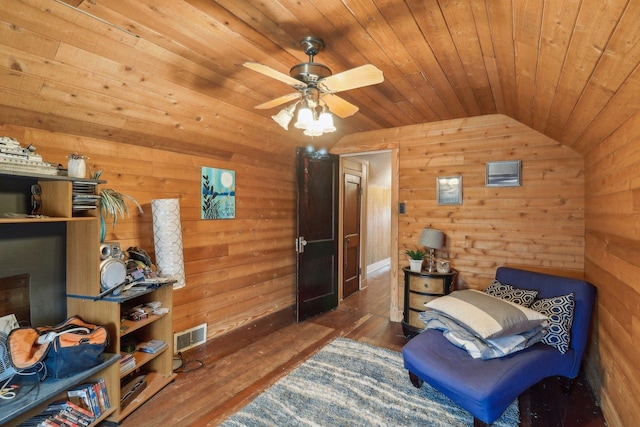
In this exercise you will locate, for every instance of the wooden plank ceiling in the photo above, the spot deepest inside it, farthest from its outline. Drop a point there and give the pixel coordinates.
(167, 73)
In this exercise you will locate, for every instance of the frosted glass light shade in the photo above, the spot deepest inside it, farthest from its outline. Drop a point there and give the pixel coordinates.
(305, 118)
(283, 118)
(314, 129)
(326, 121)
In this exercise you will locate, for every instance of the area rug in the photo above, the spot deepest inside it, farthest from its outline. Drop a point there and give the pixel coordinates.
(348, 383)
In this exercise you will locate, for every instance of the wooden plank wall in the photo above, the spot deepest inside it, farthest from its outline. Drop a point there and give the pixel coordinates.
(582, 220)
(238, 269)
(378, 224)
(539, 224)
(612, 263)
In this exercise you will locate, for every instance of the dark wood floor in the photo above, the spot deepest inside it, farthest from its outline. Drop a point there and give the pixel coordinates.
(237, 367)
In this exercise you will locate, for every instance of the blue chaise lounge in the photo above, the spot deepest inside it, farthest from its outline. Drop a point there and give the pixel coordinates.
(486, 388)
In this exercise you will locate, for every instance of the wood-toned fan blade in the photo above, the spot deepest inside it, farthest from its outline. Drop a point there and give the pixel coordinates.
(274, 74)
(364, 75)
(279, 101)
(339, 106)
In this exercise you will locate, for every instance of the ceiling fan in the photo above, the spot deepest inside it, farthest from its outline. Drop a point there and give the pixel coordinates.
(316, 86)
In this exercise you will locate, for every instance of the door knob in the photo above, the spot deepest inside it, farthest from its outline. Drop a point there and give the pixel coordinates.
(300, 244)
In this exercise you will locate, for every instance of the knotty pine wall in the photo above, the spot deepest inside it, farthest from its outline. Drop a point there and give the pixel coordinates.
(612, 263)
(566, 216)
(540, 223)
(238, 269)
(378, 224)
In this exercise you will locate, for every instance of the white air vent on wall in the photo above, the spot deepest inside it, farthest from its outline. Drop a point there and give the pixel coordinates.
(190, 338)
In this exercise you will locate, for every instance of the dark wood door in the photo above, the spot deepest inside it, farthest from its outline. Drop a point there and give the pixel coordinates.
(351, 239)
(317, 238)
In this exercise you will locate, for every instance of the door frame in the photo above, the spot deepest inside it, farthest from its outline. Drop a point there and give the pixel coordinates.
(395, 311)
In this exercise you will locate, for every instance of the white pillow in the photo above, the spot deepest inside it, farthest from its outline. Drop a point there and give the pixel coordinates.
(487, 316)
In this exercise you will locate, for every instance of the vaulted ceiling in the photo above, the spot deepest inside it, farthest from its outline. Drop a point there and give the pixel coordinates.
(169, 73)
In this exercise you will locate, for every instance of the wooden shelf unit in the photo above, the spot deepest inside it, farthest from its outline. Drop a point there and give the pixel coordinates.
(158, 367)
(81, 264)
(83, 285)
(25, 407)
(57, 197)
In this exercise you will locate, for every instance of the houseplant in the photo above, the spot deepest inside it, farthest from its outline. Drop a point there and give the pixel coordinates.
(416, 258)
(113, 204)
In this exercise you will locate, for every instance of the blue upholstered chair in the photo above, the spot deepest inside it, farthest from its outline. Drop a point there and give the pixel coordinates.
(486, 388)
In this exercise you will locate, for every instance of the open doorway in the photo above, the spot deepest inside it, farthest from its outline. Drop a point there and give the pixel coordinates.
(368, 237)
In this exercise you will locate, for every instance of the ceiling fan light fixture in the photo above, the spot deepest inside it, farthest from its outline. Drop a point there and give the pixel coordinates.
(316, 85)
(284, 116)
(305, 116)
(314, 129)
(326, 121)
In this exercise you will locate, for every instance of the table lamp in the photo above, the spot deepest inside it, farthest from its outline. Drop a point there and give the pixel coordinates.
(432, 239)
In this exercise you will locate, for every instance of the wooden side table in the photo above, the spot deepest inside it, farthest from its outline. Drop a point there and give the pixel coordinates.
(420, 288)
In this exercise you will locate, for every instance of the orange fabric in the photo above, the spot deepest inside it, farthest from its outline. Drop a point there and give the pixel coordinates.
(24, 348)
(99, 336)
(25, 351)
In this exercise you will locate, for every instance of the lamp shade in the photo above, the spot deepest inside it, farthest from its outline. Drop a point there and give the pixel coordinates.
(305, 117)
(314, 129)
(167, 239)
(326, 121)
(283, 118)
(431, 238)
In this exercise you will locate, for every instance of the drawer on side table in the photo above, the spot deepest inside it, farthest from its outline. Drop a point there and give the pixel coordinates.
(414, 319)
(417, 301)
(428, 285)
(420, 288)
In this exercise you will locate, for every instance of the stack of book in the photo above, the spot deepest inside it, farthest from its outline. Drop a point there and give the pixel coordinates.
(153, 346)
(58, 414)
(86, 402)
(127, 362)
(91, 396)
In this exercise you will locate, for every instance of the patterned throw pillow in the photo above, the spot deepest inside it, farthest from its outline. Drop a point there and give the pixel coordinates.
(506, 292)
(560, 312)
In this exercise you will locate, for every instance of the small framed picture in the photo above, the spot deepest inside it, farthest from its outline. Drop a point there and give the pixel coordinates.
(449, 190)
(218, 198)
(503, 174)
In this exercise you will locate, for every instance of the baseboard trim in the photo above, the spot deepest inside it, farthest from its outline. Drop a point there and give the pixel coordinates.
(378, 265)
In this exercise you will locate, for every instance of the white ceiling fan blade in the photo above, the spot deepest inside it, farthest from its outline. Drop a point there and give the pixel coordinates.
(364, 75)
(339, 106)
(278, 101)
(274, 74)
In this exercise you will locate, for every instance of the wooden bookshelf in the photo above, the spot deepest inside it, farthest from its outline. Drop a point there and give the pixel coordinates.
(81, 284)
